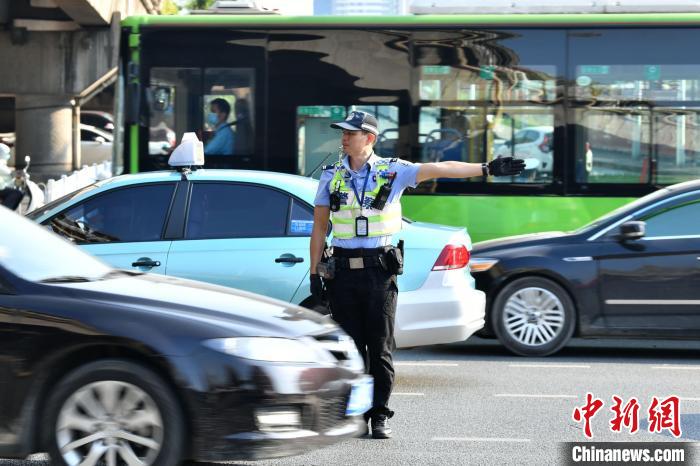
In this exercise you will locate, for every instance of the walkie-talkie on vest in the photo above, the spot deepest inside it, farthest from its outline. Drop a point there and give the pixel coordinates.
(383, 195)
(335, 195)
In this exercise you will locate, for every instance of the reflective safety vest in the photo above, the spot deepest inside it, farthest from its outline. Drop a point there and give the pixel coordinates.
(380, 222)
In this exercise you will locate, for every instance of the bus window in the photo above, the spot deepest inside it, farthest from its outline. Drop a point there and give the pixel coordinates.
(676, 145)
(228, 143)
(174, 96)
(388, 121)
(613, 146)
(479, 134)
(319, 144)
(526, 133)
(643, 65)
(444, 132)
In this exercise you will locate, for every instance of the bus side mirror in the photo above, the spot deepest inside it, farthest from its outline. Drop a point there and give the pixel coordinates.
(632, 230)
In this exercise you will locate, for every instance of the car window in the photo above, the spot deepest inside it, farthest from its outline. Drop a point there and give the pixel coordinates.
(36, 213)
(86, 135)
(229, 210)
(130, 214)
(524, 137)
(301, 220)
(649, 199)
(679, 220)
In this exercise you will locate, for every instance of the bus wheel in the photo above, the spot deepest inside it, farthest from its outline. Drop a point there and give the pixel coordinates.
(533, 316)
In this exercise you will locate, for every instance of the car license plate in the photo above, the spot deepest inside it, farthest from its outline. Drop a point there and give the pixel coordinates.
(360, 397)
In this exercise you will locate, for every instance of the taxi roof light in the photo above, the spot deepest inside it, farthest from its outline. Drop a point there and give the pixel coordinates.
(189, 153)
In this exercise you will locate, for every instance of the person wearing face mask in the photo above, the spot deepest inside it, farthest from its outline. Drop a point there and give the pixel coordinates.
(221, 142)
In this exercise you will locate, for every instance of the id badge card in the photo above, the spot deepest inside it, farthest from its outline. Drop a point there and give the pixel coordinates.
(361, 226)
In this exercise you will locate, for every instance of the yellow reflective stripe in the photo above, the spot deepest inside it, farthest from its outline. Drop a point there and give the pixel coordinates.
(390, 210)
(375, 229)
(381, 223)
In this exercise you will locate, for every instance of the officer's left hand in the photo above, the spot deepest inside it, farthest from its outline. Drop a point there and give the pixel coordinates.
(506, 166)
(317, 289)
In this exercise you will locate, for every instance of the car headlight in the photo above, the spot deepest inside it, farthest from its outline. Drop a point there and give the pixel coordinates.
(481, 264)
(272, 349)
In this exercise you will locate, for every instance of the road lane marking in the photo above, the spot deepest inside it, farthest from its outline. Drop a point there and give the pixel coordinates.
(553, 366)
(680, 368)
(480, 439)
(435, 364)
(407, 394)
(526, 395)
(532, 395)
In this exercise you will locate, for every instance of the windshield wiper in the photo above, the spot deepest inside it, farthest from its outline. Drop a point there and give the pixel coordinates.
(67, 279)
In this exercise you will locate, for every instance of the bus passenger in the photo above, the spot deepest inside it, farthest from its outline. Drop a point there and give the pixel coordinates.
(222, 141)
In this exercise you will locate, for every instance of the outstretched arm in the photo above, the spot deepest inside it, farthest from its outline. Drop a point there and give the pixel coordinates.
(503, 166)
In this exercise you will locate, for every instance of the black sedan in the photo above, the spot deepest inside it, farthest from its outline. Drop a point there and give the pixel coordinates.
(102, 366)
(632, 273)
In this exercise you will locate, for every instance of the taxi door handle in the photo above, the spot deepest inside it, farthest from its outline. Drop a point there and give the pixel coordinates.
(145, 262)
(292, 259)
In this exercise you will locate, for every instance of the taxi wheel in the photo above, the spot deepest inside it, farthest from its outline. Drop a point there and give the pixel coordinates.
(113, 412)
(533, 316)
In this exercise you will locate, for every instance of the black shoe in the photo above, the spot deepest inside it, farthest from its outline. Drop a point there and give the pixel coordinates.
(380, 426)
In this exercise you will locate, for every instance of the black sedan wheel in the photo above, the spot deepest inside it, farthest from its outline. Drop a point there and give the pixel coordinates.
(533, 316)
(113, 412)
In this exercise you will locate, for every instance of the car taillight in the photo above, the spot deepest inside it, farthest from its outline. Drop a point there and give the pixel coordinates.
(452, 257)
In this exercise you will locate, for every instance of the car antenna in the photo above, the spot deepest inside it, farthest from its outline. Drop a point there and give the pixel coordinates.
(340, 155)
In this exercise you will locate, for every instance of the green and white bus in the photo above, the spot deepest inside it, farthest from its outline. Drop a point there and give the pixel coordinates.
(604, 107)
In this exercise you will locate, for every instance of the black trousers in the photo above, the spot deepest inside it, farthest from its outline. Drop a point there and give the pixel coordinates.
(363, 302)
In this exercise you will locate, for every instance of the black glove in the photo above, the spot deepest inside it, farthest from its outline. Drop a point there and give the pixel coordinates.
(506, 166)
(318, 291)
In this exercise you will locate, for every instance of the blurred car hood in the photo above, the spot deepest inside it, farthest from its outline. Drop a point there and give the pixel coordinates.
(216, 310)
(530, 239)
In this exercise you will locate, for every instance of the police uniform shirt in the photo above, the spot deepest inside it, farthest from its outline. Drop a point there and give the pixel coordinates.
(406, 173)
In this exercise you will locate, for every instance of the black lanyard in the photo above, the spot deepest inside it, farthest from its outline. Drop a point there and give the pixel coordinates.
(364, 187)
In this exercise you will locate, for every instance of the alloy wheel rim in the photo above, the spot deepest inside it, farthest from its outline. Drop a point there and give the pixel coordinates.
(533, 316)
(109, 423)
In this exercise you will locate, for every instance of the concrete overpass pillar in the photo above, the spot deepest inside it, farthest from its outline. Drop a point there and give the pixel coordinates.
(43, 129)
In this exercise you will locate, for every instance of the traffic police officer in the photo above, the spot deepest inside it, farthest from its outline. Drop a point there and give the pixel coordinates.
(361, 193)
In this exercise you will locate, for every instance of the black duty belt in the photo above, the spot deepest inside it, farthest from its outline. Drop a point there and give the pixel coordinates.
(359, 252)
(362, 262)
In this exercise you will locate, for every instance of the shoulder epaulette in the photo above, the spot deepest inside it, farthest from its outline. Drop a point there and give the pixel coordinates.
(393, 160)
(330, 165)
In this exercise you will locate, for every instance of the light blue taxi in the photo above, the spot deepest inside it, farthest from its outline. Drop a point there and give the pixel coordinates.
(250, 230)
